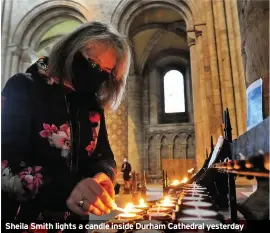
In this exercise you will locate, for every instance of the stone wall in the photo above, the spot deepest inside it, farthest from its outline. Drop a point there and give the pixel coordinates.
(254, 27)
(217, 78)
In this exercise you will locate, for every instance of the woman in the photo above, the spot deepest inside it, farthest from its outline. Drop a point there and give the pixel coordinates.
(56, 158)
(126, 169)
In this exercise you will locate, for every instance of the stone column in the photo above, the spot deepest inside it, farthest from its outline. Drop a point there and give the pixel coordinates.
(134, 122)
(204, 88)
(170, 151)
(158, 160)
(254, 28)
(16, 53)
(196, 94)
(217, 110)
(153, 96)
(184, 150)
(225, 62)
(238, 77)
(189, 94)
(6, 12)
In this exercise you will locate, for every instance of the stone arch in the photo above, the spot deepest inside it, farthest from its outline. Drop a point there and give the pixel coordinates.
(126, 11)
(33, 25)
(71, 7)
(150, 45)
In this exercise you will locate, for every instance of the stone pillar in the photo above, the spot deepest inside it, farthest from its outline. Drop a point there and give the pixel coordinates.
(189, 95)
(254, 28)
(184, 149)
(158, 160)
(225, 62)
(15, 61)
(6, 20)
(153, 96)
(238, 77)
(217, 110)
(170, 151)
(204, 89)
(134, 122)
(196, 94)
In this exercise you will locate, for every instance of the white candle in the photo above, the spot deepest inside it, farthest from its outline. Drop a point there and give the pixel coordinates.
(200, 212)
(167, 205)
(197, 203)
(136, 211)
(159, 216)
(152, 214)
(161, 209)
(127, 216)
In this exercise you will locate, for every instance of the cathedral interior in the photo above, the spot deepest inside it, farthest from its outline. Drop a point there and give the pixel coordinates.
(191, 60)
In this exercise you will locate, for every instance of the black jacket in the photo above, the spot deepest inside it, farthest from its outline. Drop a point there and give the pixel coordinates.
(49, 143)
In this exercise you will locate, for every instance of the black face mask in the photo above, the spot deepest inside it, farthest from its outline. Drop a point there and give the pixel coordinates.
(88, 76)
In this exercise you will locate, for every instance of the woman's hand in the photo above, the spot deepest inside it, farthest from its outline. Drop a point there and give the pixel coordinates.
(94, 193)
(106, 183)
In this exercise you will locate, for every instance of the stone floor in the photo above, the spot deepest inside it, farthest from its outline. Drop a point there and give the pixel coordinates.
(154, 192)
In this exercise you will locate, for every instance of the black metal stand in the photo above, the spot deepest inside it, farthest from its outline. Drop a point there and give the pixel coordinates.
(231, 177)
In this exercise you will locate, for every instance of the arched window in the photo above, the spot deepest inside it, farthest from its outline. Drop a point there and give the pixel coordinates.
(174, 92)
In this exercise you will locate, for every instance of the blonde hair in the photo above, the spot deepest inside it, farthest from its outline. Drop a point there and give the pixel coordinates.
(62, 54)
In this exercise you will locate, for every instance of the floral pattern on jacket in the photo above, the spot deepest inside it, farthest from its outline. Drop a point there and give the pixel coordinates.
(23, 185)
(60, 137)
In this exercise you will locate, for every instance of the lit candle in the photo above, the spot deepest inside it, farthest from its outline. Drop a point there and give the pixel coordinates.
(159, 216)
(129, 216)
(137, 211)
(167, 203)
(185, 180)
(160, 209)
(142, 205)
(175, 183)
(170, 199)
(130, 213)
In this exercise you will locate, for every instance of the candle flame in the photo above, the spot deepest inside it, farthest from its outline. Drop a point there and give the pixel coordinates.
(129, 207)
(175, 182)
(142, 203)
(166, 201)
(184, 180)
(190, 170)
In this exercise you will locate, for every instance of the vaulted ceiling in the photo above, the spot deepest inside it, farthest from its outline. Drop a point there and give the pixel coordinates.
(156, 30)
